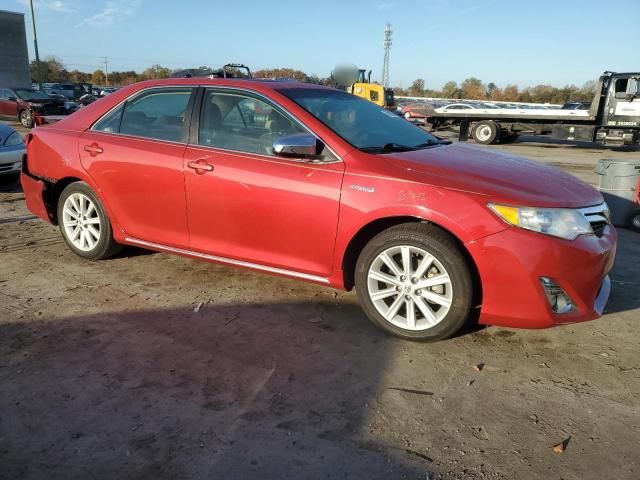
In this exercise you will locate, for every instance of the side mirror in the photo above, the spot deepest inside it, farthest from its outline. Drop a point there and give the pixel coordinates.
(11, 98)
(300, 145)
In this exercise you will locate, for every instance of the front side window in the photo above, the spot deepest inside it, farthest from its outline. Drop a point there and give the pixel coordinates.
(361, 123)
(157, 114)
(235, 121)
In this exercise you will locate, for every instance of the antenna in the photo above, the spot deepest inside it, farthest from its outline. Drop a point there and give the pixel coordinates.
(388, 31)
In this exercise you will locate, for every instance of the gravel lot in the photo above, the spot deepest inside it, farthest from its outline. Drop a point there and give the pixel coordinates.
(107, 371)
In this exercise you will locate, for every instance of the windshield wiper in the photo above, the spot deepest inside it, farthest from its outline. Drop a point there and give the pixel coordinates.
(388, 147)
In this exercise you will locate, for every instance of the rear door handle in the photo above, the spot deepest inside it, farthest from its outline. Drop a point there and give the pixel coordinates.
(93, 149)
(200, 164)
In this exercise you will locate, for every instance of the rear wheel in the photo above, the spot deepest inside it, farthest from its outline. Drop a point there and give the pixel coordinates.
(26, 119)
(414, 282)
(486, 132)
(84, 224)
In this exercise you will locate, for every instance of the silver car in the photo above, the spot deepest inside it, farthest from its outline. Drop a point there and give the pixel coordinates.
(11, 150)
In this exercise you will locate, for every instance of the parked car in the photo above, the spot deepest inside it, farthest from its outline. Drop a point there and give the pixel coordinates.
(24, 104)
(11, 151)
(72, 91)
(329, 188)
(107, 91)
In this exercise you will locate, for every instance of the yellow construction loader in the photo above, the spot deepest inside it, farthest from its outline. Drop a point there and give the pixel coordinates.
(360, 85)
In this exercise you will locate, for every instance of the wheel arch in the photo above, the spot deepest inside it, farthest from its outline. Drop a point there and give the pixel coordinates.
(52, 193)
(374, 227)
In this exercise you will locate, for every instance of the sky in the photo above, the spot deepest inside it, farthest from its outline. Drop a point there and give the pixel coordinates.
(521, 42)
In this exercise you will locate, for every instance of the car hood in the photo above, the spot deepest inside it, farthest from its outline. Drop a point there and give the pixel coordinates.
(495, 174)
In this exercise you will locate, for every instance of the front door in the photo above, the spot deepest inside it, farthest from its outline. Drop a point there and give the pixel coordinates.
(135, 154)
(8, 107)
(244, 203)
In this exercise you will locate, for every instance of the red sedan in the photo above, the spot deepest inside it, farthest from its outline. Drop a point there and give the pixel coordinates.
(313, 183)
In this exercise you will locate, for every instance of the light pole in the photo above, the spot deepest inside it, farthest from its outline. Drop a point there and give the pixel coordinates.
(35, 42)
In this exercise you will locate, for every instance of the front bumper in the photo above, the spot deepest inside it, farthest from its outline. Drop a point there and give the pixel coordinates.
(511, 262)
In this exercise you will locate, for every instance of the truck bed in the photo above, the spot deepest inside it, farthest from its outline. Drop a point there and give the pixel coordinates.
(518, 115)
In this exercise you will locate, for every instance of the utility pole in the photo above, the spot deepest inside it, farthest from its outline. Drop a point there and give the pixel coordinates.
(35, 42)
(106, 72)
(388, 31)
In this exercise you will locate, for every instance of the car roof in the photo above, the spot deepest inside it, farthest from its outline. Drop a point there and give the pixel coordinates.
(235, 82)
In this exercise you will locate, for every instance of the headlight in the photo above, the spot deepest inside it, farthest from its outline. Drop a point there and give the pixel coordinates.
(560, 222)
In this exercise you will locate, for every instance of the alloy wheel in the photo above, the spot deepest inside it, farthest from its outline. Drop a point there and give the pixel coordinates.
(81, 222)
(409, 287)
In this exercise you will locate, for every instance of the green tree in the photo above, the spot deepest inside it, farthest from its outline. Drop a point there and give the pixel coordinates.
(473, 89)
(155, 72)
(97, 77)
(50, 69)
(510, 93)
(417, 88)
(450, 90)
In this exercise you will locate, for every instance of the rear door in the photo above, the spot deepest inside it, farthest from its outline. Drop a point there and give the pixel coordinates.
(247, 204)
(135, 156)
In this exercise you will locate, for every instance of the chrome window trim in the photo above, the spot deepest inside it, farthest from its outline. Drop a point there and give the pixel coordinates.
(228, 261)
(218, 87)
(122, 102)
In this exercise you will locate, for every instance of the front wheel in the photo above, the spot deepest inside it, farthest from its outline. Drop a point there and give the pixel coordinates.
(84, 224)
(26, 119)
(413, 281)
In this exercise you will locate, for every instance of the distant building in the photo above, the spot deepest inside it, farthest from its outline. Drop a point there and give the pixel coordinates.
(14, 57)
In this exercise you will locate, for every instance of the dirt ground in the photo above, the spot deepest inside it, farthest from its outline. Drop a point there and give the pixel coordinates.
(110, 370)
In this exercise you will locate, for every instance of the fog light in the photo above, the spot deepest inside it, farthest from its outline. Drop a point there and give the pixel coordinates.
(558, 299)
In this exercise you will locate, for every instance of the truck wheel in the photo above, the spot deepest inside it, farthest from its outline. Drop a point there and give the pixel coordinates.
(486, 132)
(634, 221)
(26, 119)
(413, 281)
(84, 224)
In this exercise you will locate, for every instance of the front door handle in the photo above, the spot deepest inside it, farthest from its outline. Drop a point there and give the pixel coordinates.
(200, 166)
(93, 149)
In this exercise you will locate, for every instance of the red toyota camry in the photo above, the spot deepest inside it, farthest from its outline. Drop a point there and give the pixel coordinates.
(313, 183)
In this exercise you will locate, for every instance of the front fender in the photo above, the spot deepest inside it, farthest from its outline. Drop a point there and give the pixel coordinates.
(367, 199)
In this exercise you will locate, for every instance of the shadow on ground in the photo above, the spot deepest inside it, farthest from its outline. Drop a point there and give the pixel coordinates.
(234, 391)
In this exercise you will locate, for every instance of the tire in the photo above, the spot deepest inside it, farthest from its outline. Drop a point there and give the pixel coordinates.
(439, 320)
(80, 216)
(25, 118)
(634, 221)
(486, 132)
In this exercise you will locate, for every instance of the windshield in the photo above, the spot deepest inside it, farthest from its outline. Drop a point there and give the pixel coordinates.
(361, 123)
(28, 95)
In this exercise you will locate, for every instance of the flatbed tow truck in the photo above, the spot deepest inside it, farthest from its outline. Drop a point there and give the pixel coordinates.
(613, 118)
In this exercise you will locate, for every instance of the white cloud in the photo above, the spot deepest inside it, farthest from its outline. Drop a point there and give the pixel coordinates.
(112, 12)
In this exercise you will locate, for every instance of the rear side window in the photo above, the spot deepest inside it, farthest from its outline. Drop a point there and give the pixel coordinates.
(158, 114)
